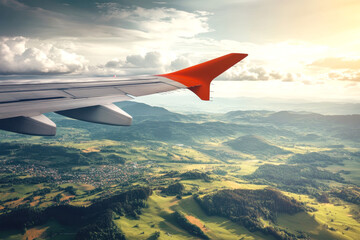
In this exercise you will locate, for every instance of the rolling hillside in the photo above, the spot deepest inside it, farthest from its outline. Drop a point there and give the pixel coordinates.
(241, 175)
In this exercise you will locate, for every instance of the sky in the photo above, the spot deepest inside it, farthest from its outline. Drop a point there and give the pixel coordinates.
(308, 49)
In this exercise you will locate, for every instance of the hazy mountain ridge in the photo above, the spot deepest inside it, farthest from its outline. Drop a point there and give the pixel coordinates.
(160, 124)
(255, 145)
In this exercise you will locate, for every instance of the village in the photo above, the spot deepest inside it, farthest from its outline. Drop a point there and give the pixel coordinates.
(97, 175)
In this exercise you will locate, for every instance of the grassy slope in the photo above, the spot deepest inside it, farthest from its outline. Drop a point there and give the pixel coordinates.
(157, 218)
(318, 222)
(217, 227)
(349, 165)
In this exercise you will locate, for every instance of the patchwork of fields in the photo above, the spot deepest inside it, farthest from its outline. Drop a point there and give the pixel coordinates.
(309, 161)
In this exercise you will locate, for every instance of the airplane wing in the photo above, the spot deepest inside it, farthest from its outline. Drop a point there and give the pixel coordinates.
(22, 103)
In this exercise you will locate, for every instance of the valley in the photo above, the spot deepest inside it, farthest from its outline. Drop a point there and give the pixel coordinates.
(239, 175)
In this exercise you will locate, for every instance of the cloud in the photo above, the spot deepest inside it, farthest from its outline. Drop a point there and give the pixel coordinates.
(141, 64)
(347, 75)
(150, 60)
(115, 63)
(255, 73)
(37, 21)
(16, 57)
(337, 63)
(134, 64)
(156, 62)
(180, 63)
(157, 21)
(288, 78)
(24, 56)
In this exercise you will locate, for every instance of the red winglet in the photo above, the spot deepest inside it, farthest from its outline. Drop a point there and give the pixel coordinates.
(199, 77)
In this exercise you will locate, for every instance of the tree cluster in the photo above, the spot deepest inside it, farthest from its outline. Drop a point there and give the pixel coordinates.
(188, 226)
(174, 189)
(192, 175)
(248, 207)
(349, 194)
(94, 221)
(315, 159)
(294, 178)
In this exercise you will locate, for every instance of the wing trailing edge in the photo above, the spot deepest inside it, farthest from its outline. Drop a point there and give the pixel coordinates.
(198, 78)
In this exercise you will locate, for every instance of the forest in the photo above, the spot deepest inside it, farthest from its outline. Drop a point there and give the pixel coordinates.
(94, 221)
(249, 207)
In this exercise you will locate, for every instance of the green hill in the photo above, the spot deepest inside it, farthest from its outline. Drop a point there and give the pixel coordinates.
(255, 145)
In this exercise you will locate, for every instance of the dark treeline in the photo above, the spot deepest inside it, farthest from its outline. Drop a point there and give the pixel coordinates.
(154, 236)
(189, 175)
(174, 189)
(192, 175)
(248, 207)
(293, 178)
(49, 155)
(315, 159)
(188, 226)
(128, 203)
(102, 228)
(94, 221)
(14, 180)
(349, 194)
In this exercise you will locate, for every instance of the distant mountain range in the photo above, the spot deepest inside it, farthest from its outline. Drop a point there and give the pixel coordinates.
(191, 104)
(157, 123)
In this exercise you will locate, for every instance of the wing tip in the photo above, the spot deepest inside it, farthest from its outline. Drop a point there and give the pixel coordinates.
(198, 77)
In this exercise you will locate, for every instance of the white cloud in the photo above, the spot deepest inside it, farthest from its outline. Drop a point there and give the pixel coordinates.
(347, 75)
(180, 63)
(337, 68)
(249, 72)
(151, 59)
(16, 57)
(158, 22)
(21, 55)
(157, 63)
(337, 63)
(135, 64)
(138, 64)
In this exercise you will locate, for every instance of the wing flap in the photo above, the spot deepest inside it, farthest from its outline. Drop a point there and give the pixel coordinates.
(93, 92)
(34, 108)
(9, 97)
(146, 89)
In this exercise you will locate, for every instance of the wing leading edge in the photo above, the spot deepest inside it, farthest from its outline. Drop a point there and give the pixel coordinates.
(23, 103)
